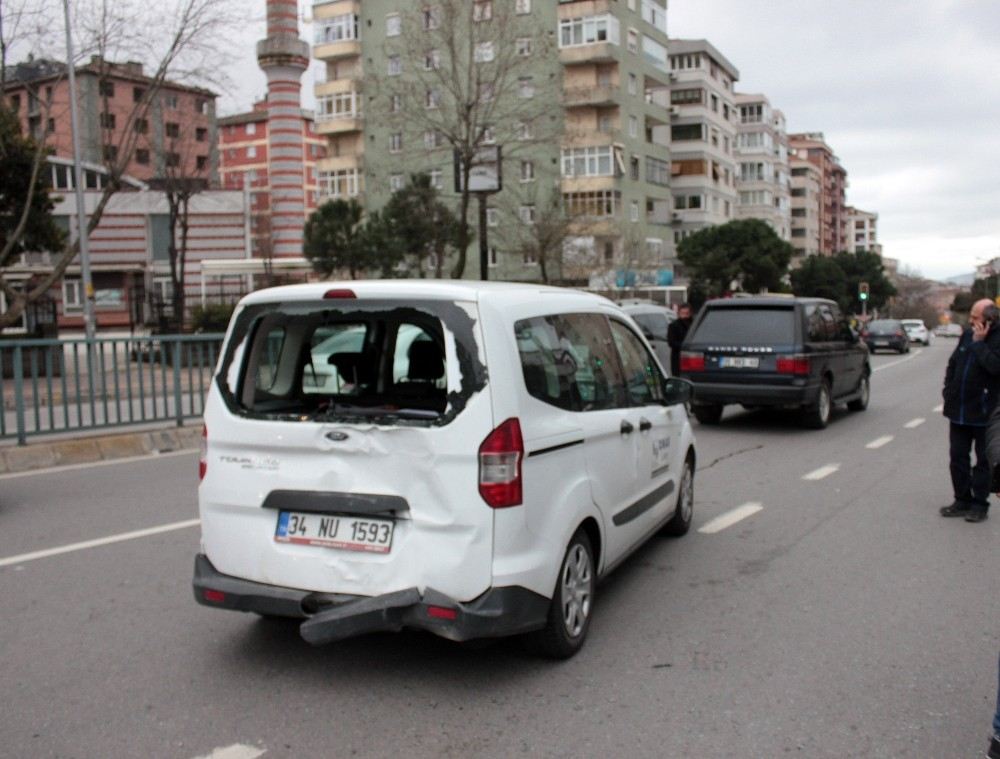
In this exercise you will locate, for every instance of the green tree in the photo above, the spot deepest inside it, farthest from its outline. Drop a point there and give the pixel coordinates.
(418, 224)
(334, 238)
(821, 277)
(864, 267)
(745, 255)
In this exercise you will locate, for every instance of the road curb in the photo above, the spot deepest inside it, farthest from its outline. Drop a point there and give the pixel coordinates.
(103, 448)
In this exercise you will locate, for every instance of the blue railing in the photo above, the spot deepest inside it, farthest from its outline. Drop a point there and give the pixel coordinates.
(59, 386)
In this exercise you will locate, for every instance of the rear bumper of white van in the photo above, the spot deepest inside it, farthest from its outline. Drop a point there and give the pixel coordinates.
(330, 617)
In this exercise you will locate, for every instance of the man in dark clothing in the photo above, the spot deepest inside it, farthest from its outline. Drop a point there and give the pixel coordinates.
(971, 389)
(676, 333)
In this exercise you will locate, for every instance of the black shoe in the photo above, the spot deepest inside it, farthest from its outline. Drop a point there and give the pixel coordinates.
(957, 509)
(977, 515)
(994, 750)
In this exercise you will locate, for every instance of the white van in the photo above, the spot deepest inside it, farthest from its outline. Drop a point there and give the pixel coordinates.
(466, 458)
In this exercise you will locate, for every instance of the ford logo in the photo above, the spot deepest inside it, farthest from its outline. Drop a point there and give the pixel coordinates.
(336, 436)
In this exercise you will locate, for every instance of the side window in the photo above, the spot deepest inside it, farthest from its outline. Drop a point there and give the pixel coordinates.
(815, 324)
(829, 323)
(270, 359)
(417, 357)
(654, 324)
(331, 349)
(569, 361)
(645, 385)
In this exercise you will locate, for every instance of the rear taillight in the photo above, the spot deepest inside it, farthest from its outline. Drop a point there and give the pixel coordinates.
(203, 457)
(500, 465)
(864, 333)
(692, 362)
(798, 365)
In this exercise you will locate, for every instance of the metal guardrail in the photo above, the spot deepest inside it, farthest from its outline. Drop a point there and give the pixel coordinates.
(57, 386)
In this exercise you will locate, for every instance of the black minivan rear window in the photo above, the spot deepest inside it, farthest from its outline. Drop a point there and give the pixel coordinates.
(746, 326)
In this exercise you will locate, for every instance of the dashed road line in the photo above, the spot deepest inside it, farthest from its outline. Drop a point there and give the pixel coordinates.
(823, 471)
(119, 538)
(912, 356)
(880, 441)
(914, 423)
(236, 751)
(730, 518)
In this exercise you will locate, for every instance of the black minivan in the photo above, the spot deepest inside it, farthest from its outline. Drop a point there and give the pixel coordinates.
(777, 352)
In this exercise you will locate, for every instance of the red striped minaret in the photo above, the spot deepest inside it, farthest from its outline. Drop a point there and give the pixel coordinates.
(283, 57)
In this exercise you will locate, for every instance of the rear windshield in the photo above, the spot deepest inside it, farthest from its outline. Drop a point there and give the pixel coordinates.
(746, 326)
(316, 362)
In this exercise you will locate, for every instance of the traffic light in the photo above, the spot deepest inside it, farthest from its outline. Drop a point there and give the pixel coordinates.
(863, 291)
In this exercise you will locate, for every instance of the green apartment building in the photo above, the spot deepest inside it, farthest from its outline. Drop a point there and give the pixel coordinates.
(575, 93)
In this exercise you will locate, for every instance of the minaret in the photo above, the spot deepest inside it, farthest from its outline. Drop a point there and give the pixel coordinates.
(283, 57)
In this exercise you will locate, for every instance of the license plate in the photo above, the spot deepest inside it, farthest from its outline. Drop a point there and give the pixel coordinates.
(881, 342)
(335, 531)
(739, 362)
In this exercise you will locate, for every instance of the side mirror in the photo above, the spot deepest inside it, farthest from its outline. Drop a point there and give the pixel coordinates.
(677, 390)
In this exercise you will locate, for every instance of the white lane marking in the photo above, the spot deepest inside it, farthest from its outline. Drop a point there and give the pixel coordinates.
(93, 464)
(914, 423)
(823, 471)
(119, 538)
(938, 409)
(236, 751)
(913, 355)
(730, 518)
(880, 441)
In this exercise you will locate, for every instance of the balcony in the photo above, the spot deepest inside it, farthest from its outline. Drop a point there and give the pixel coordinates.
(589, 184)
(338, 86)
(339, 124)
(331, 51)
(595, 52)
(579, 8)
(598, 95)
(340, 163)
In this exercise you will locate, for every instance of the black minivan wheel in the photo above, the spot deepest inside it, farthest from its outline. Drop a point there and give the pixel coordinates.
(864, 393)
(572, 603)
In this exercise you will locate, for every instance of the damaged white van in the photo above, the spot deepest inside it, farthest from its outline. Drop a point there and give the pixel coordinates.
(465, 458)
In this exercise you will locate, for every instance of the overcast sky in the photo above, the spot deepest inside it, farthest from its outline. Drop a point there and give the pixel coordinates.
(907, 93)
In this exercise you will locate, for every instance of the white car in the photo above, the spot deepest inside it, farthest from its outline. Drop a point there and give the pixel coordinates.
(916, 331)
(482, 454)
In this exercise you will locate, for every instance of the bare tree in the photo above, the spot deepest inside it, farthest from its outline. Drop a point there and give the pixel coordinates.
(179, 41)
(465, 75)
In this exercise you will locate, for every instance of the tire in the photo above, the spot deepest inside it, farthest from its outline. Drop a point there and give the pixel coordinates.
(817, 416)
(861, 402)
(708, 413)
(572, 603)
(684, 511)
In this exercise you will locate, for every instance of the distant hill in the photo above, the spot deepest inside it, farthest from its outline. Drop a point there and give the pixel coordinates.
(962, 280)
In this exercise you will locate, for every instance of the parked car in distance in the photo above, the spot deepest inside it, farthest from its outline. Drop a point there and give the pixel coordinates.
(781, 352)
(886, 334)
(654, 321)
(948, 330)
(462, 458)
(916, 331)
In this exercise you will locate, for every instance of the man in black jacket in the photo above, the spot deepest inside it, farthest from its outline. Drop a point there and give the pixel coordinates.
(676, 332)
(971, 388)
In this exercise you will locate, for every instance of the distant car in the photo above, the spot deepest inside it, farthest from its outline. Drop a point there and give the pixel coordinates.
(948, 330)
(886, 334)
(916, 330)
(653, 320)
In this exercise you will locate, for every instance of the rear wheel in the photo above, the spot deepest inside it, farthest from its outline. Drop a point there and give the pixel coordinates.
(864, 393)
(708, 413)
(681, 521)
(572, 602)
(817, 416)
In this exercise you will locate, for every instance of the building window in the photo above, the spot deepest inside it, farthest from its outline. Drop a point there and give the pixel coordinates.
(487, 91)
(493, 258)
(633, 84)
(634, 168)
(343, 105)
(110, 152)
(633, 41)
(201, 106)
(107, 120)
(633, 126)
(522, 7)
(598, 204)
(527, 171)
(138, 93)
(432, 60)
(395, 142)
(587, 162)
(437, 179)
(396, 182)
(338, 184)
(586, 31)
(72, 295)
(484, 52)
(172, 129)
(432, 99)
(201, 134)
(492, 217)
(394, 65)
(482, 10)
(523, 46)
(170, 101)
(173, 160)
(201, 162)
(252, 151)
(251, 128)
(526, 214)
(393, 25)
(430, 18)
(106, 88)
(337, 29)
(489, 135)
(633, 211)
(525, 87)
(523, 130)
(433, 139)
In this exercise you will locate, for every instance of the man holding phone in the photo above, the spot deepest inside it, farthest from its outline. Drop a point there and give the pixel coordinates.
(971, 389)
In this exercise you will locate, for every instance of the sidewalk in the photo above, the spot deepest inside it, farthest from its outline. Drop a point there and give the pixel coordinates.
(88, 450)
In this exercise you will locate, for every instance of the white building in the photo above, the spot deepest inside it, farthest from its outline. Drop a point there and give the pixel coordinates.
(762, 181)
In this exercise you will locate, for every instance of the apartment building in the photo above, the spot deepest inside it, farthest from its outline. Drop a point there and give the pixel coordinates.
(586, 117)
(812, 147)
(177, 133)
(862, 229)
(762, 180)
(806, 196)
(703, 131)
(244, 164)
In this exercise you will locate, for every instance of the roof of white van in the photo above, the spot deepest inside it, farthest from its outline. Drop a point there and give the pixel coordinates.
(438, 289)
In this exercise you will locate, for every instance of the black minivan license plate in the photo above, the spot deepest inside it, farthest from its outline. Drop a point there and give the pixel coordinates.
(350, 533)
(739, 362)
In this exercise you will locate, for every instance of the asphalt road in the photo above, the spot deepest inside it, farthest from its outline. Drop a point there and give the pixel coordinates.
(841, 618)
